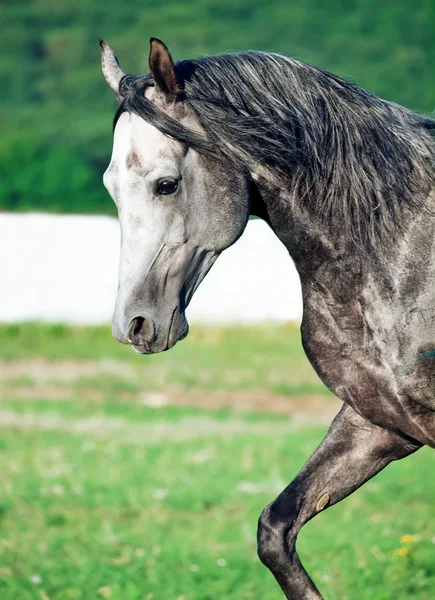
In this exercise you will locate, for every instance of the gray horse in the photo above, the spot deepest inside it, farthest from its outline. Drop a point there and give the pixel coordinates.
(345, 180)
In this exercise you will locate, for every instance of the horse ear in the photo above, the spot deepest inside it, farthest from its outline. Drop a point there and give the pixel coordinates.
(111, 69)
(162, 68)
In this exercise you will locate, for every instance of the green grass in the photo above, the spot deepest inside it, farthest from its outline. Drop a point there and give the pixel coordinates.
(162, 518)
(211, 358)
(111, 499)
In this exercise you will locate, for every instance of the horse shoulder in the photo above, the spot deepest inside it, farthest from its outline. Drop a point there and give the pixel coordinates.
(365, 345)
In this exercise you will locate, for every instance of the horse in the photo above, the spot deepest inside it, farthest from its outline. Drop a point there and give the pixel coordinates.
(346, 181)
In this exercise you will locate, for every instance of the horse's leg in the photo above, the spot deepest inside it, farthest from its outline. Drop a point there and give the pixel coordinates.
(352, 452)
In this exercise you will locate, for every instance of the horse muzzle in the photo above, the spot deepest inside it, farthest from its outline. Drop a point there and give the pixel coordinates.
(150, 336)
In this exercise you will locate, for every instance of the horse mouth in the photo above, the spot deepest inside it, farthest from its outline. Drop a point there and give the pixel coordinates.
(171, 325)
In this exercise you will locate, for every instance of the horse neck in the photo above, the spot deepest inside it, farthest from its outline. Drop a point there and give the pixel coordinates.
(309, 243)
(328, 259)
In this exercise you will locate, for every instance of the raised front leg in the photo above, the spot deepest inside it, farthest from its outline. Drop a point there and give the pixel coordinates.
(352, 452)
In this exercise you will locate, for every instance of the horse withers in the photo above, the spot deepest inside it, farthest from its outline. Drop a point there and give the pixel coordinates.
(346, 181)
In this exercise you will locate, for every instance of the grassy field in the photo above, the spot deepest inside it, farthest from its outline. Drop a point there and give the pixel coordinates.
(131, 477)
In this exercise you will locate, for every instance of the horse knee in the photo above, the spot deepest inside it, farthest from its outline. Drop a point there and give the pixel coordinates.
(272, 539)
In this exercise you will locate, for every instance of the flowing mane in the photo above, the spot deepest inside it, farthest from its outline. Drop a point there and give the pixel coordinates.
(356, 161)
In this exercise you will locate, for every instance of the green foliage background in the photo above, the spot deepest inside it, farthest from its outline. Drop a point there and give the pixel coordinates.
(56, 111)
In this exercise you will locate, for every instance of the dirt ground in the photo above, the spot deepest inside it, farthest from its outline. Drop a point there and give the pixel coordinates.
(38, 378)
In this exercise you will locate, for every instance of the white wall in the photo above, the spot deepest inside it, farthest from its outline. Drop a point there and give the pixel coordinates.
(64, 268)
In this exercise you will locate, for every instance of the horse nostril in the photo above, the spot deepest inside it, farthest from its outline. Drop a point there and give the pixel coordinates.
(142, 331)
(136, 326)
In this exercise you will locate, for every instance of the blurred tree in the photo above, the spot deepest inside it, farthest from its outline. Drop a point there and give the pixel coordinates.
(56, 111)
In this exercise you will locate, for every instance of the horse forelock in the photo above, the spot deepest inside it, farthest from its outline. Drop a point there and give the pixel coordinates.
(358, 162)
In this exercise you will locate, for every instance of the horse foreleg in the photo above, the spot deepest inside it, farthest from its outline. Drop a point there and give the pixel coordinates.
(352, 452)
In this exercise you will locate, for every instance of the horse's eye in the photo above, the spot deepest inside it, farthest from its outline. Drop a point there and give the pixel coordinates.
(167, 186)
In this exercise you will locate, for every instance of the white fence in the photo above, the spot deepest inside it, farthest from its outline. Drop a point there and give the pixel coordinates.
(64, 268)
